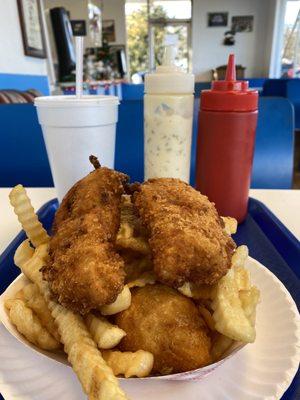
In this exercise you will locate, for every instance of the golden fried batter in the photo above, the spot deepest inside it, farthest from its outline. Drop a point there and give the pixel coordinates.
(135, 264)
(187, 239)
(168, 325)
(84, 270)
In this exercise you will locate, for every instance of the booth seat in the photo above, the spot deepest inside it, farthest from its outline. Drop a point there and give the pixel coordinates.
(275, 87)
(293, 94)
(24, 82)
(288, 88)
(23, 157)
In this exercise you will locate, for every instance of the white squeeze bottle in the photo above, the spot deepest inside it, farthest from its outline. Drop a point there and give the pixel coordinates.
(168, 119)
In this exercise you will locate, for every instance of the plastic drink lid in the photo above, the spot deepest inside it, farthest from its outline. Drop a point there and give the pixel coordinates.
(168, 78)
(73, 101)
(230, 94)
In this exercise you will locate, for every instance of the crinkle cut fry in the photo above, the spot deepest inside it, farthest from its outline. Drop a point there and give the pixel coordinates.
(27, 217)
(97, 379)
(105, 334)
(36, 302)
(138, 363)
(29, 325)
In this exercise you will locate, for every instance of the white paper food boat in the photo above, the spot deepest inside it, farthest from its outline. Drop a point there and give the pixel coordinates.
(61, 357)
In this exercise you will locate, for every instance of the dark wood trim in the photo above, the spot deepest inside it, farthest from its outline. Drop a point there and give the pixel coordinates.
(30, 51)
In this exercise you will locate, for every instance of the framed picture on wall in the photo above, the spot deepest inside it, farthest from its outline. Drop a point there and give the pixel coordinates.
(215, 19)
(32, 28)
(243, 23)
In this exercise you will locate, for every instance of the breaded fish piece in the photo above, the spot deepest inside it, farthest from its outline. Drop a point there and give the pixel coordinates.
(168, 325)
(187, 239)
(84, 270)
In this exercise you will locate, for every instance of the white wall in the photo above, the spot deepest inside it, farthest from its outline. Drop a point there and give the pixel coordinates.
(115, 9)
(252, 50)
(12, 58)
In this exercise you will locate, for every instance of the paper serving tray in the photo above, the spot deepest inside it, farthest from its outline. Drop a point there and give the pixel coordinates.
(266, 237)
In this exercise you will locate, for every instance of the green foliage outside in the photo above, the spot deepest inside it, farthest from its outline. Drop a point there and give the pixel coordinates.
(137, 38)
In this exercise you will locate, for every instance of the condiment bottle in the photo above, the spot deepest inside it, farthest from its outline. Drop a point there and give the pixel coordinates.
(226, 137)
(168, 119)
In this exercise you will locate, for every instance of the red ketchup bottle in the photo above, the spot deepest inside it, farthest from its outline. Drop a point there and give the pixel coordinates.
(226, 137)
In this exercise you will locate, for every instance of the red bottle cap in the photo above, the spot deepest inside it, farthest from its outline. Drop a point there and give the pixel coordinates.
(229, 95)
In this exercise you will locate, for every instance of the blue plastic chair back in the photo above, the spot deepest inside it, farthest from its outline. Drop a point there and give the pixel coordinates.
(129, 157)
(275, 87)
(132, 92)
(23, 156)
(274, 146)
(199, 86)
(293, 94)
(256, 82)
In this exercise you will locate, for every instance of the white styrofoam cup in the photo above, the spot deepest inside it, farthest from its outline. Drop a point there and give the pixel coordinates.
(73, 129)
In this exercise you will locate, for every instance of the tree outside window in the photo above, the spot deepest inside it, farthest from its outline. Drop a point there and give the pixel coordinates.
(138, 41)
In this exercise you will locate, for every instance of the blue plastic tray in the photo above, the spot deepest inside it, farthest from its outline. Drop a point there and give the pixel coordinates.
(268, 240)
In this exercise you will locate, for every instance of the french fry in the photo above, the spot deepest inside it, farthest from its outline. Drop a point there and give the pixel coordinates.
(29, 325)
(239, 257)
(134, 243)
(129, 364)
(230, 225)
(97, 379)
(186, 289)
(27, 217)
(229, 316)
(28, 291)
(35, 301)
(196, 292)
(241, 274)
(105, 335)
(250, 299)
(23, 253)
(31, 267)
(242, 278)
(130, 233)
(147, 278)
(122, 302)
(206, 315)
(219, 346)
(9, 303)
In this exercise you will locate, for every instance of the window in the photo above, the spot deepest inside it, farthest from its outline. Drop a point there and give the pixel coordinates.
(171, 9)
(290, 59)
(150, 26)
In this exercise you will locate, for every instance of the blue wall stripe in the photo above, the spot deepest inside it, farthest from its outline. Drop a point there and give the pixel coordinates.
(24, 82)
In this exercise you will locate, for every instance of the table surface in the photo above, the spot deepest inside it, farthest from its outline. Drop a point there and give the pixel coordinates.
(285, 204)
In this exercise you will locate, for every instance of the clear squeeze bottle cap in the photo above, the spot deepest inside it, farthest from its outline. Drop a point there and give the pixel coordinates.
(168, 78)
(230, 94)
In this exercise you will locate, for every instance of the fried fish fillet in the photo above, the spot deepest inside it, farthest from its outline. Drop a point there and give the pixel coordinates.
(187, 239)
(84, 270)
(168, 325)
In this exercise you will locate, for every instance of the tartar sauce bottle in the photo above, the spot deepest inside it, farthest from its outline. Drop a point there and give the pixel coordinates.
(168, 119)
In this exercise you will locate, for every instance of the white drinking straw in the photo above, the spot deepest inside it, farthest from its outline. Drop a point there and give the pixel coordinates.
(79, 65)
